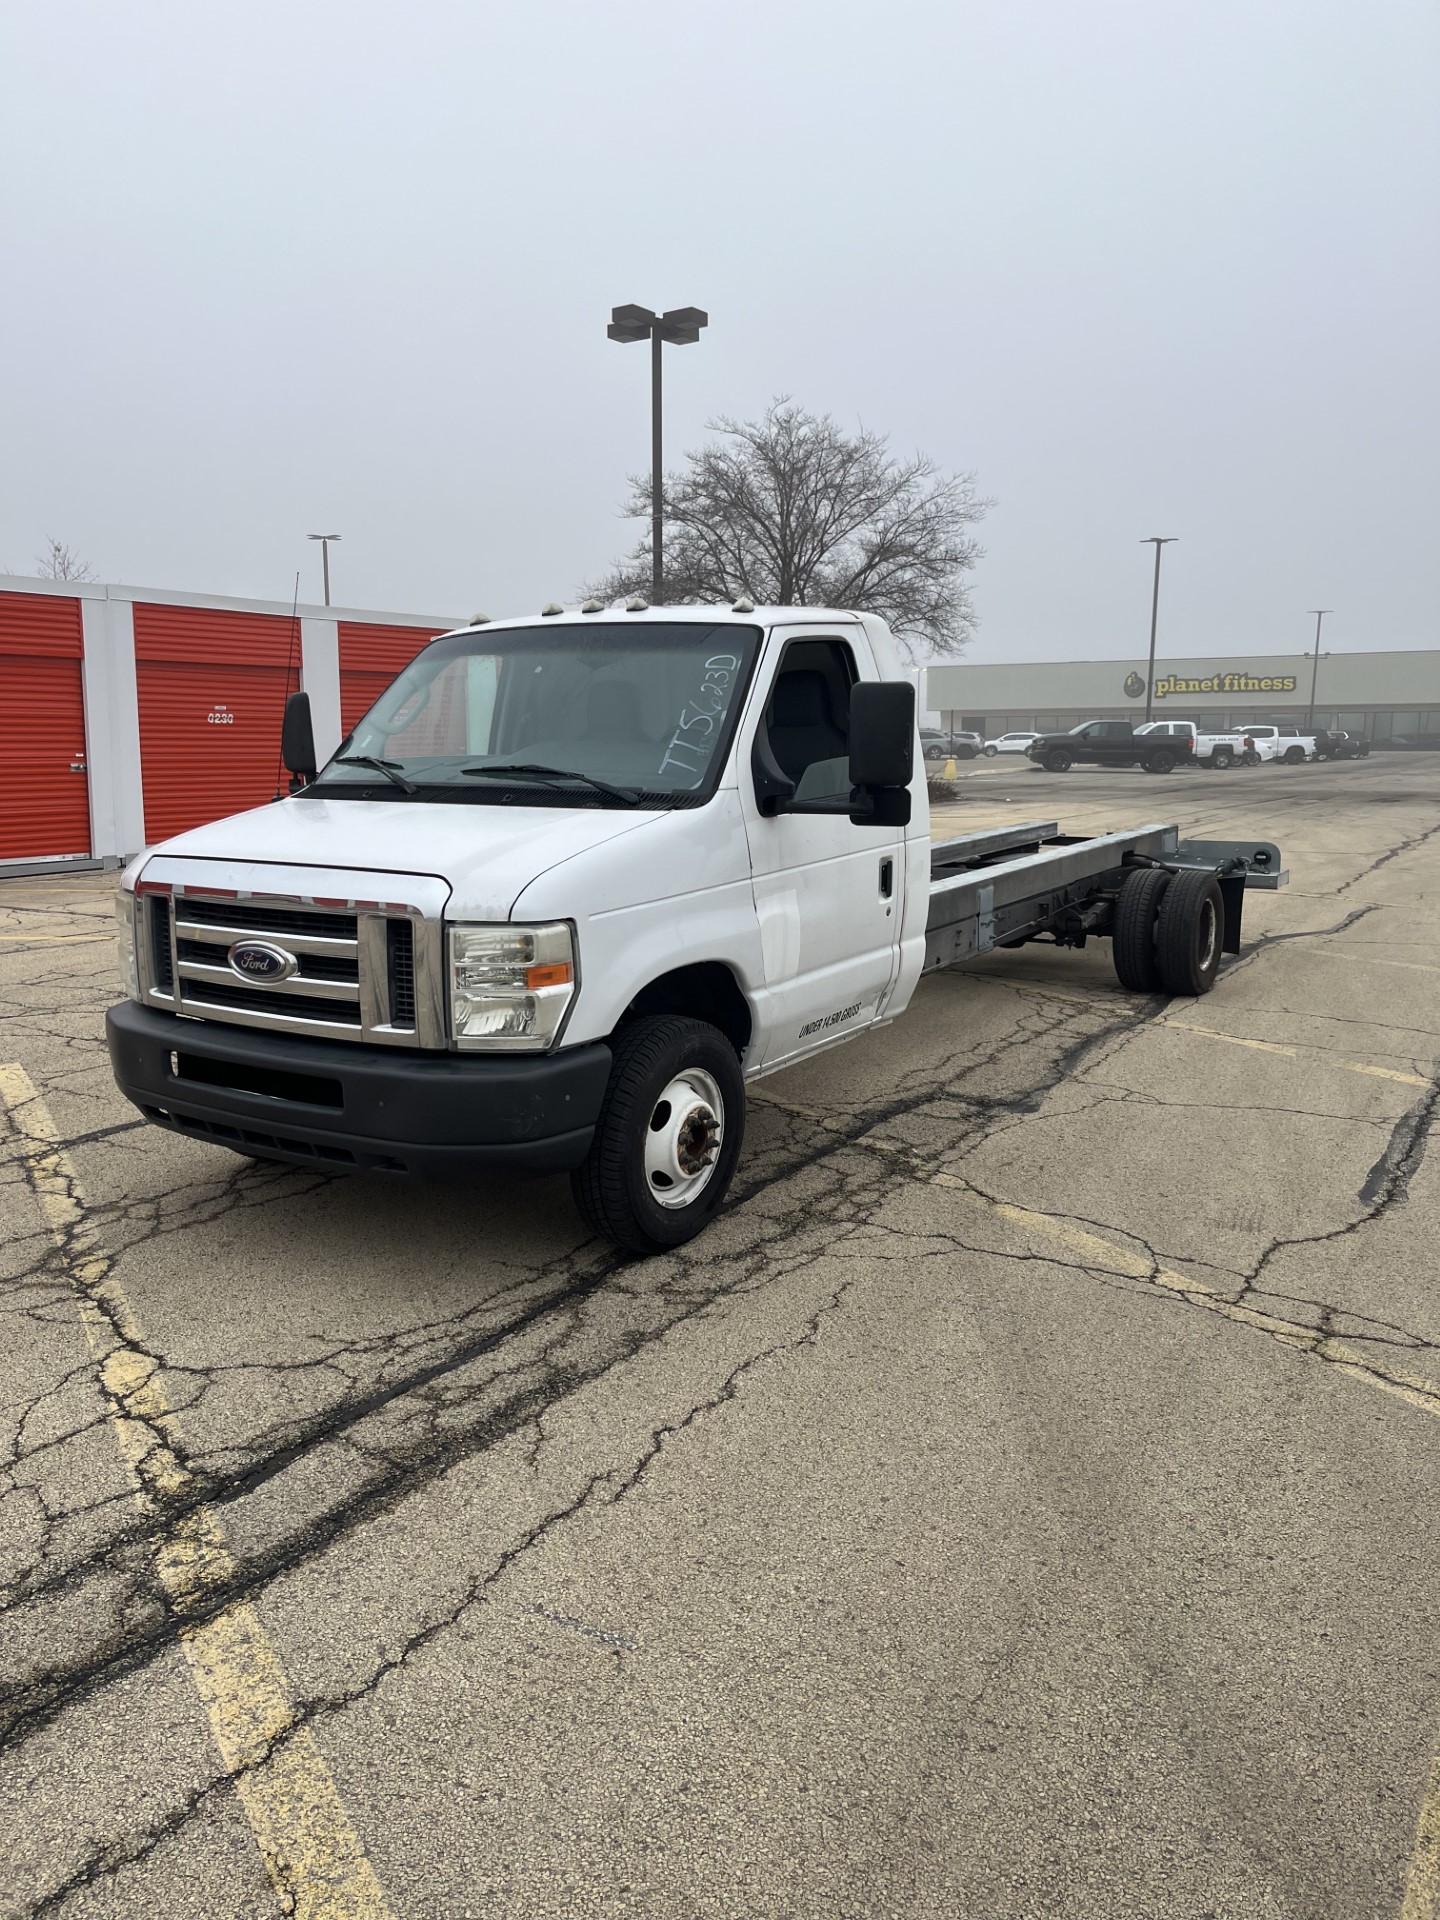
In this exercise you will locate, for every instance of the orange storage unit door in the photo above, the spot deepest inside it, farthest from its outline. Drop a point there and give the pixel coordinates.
(44, 791)
(212, 686)
(370, 658)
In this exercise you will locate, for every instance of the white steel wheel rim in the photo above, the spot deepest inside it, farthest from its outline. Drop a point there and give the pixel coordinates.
(683, 1138)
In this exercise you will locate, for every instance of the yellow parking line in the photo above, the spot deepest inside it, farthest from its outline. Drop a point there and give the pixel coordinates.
(1369, 959)
(311, 1852)
(1111, 1257)
(1231, 1039)
(1274, 1046)
(1385, 1073)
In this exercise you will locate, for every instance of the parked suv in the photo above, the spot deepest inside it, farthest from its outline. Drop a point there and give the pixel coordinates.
(1109, 743)
(1009, 743)
(936, 744)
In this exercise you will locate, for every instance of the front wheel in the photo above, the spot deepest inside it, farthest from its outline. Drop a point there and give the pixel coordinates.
(1250, 758)
(990, 752)
(668, 1136)
(1058, 762)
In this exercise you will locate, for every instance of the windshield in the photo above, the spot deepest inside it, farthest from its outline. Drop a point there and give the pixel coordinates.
(609, 714)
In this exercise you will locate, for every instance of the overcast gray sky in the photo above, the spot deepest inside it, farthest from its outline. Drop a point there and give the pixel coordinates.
(1145, 268)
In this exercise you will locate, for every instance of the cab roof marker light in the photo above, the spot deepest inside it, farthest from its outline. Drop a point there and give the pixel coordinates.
(743, 605)
(548, 610)
(637, 604)
(593, 606)
(479, 619)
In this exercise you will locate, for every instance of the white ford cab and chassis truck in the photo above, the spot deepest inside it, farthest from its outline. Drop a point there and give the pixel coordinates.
(574, 880)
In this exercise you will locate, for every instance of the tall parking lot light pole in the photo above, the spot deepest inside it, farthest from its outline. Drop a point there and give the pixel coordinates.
(1157, 541)
(324, 539)
(681, 327)
(1319, 613)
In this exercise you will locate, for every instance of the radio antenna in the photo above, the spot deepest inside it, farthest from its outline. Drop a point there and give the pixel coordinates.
(289, 670)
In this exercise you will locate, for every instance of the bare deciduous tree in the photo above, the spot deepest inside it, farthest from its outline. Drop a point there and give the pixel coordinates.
(792, 511)
(58, 562)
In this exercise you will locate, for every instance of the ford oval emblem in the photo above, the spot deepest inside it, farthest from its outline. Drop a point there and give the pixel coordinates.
(258, 960)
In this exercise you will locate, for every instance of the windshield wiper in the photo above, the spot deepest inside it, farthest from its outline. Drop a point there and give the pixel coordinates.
(531, 770)
(387, 767)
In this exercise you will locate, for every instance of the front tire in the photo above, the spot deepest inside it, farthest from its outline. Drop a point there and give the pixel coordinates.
(990, 752)
(1058, 762)
(668, 1136)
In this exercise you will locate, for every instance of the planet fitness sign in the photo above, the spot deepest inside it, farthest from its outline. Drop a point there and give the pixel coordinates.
(1171, 683)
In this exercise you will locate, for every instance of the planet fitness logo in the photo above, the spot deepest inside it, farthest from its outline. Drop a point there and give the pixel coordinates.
(1134, 685)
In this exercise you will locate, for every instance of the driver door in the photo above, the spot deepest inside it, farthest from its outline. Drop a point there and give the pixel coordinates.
(828, 894)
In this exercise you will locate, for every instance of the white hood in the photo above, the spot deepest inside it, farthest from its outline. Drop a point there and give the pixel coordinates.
(489, 853)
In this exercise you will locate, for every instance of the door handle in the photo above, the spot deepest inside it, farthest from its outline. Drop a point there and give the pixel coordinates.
(77, 766)
(887, 878)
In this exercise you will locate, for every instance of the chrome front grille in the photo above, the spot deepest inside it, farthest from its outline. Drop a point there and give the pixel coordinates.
(362, 970)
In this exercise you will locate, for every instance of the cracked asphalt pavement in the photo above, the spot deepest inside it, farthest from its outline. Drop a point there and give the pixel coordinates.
(1021, 1503)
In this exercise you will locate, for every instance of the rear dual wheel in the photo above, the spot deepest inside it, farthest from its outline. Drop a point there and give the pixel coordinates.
(1169, 932)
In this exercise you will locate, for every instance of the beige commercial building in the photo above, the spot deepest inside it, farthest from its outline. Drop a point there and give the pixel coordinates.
(1379, 695)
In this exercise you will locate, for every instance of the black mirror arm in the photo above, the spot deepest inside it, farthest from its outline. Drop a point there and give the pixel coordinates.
(774, 788)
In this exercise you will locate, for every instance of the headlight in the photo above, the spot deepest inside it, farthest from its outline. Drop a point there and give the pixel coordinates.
(125, 925)
(510, 986)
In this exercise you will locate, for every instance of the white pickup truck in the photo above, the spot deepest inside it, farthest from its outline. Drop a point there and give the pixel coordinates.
(1206, 749)
(1288, 744)
(576, 879)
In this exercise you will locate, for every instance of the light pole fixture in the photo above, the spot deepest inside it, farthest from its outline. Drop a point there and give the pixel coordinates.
(1157, 541)
(324, 539)
(1319, 613)
(681, 327)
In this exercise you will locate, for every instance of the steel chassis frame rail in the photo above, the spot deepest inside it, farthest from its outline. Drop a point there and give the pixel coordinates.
(1009, 885)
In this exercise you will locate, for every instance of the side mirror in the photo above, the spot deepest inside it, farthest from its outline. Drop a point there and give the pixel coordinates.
(882, 752)
(297, 739)
(882, 733)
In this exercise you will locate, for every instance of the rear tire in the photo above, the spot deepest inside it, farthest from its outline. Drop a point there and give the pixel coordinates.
(1132, 942)
(1190, 934)
(668, 1136)
(1058, 762)
(1222, 758)
(1294, 756)
(1161, 762)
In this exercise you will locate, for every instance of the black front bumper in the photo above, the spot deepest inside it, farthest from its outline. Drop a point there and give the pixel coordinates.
(348, 1107)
